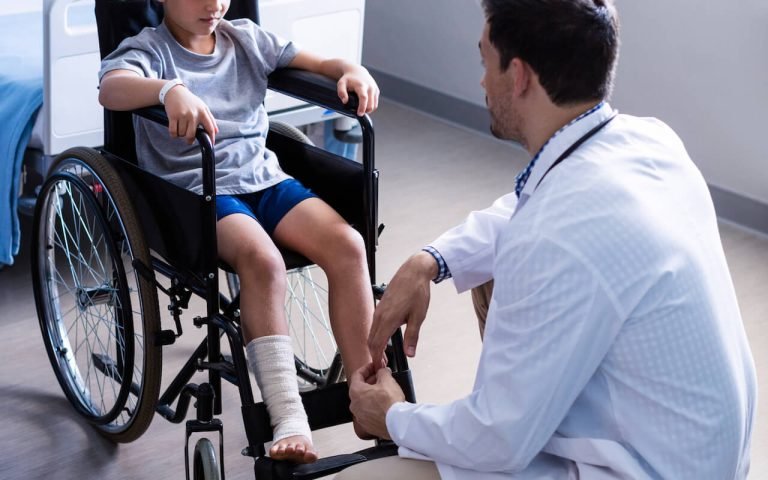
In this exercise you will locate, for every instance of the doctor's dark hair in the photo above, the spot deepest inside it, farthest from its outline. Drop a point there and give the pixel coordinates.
(572, 45)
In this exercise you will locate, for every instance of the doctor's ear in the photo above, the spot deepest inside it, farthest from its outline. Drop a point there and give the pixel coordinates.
(522, 74)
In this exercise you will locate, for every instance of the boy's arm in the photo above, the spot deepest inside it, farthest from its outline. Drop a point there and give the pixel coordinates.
(349, 77)
(124, 90)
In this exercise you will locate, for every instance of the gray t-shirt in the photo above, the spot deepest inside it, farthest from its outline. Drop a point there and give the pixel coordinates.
(232, 81)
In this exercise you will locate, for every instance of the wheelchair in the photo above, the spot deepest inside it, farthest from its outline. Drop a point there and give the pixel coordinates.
(111, 240)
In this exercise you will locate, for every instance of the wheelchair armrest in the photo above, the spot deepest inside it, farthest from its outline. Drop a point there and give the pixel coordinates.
(313, 88)
(157, 114)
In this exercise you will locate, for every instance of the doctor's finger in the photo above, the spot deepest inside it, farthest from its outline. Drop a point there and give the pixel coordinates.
(411, 336)
(359, 381)
(383, 375)
(362, 374)
(381, 330)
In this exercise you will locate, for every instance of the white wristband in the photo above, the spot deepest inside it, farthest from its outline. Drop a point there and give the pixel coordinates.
(167, 88)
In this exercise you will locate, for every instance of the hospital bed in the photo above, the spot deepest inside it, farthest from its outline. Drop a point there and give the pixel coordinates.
(49, 59)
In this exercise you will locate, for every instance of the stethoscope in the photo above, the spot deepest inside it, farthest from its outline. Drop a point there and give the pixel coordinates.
(577, 144)
(568, 152)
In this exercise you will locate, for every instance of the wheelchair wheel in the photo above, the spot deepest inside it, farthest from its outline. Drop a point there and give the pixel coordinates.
(204, 464)
(97, 315)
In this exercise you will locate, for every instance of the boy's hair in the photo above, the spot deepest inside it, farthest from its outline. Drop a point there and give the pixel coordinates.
(571, 44)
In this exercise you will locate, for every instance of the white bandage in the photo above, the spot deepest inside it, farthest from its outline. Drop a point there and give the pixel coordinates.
(271, 359)
(167, 88)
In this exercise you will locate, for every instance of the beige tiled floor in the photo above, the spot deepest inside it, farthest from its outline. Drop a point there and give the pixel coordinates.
(431, 175)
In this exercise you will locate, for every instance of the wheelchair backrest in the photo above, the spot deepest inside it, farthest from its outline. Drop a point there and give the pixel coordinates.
(117, 20)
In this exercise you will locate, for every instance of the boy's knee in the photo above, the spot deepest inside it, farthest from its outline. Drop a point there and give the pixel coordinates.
(261, 261)
(349, 244)
(351, 240)
(348, 254)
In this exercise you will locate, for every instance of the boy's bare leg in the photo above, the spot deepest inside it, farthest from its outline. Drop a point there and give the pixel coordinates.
(244, 245)
(315, 230)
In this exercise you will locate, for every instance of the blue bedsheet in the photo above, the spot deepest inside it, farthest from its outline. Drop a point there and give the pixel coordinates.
(21, 95)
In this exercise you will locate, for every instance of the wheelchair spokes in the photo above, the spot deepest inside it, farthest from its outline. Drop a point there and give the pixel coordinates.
(306, 310)
(318, 362)
(86, 303)
(90, 300)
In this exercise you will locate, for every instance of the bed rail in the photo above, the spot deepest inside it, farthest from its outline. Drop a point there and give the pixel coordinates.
(71, 112)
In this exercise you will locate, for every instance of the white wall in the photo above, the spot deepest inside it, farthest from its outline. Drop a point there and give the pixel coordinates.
(428, 42)
(702, 67)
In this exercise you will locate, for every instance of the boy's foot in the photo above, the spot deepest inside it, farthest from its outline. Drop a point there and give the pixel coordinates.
(297, 449)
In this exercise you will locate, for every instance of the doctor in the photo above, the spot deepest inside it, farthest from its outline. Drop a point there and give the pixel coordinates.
(614, 346)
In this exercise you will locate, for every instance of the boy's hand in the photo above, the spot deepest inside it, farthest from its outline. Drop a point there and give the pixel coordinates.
(349, 77)
(185, 112)
(357, 79)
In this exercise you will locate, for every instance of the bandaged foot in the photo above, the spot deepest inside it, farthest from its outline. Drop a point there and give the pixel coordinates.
(271, 359)
(297, 449)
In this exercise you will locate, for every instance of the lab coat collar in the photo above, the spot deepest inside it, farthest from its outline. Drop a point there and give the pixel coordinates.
(559, 143)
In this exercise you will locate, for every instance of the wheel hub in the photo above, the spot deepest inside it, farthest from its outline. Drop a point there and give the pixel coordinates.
(91, 296)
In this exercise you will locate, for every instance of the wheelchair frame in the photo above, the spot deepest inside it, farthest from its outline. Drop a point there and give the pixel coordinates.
(198, 275)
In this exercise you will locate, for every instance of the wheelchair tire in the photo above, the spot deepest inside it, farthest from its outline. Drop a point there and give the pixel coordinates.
(318, 362)
(98, 316)
(204, 463)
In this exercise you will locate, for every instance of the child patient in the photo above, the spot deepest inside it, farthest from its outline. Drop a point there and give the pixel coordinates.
(211, 72)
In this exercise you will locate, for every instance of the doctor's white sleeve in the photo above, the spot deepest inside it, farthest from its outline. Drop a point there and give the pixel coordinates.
(552, 320)
(468, 248)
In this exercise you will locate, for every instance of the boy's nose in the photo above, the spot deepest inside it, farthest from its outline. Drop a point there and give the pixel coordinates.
(213, 5)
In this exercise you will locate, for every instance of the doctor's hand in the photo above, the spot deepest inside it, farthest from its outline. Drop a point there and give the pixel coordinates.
(185, 112)
(405, 301)
(371, 393)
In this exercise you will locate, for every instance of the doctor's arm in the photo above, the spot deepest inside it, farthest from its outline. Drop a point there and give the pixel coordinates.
(468, 252)
(468, 249)
(552, 325)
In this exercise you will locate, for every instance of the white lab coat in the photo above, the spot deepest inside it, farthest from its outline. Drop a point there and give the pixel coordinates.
(614, 345)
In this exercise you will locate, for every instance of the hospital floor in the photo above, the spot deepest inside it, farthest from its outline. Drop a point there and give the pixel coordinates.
(432, 174)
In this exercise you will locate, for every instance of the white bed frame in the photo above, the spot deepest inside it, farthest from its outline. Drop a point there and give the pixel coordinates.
(71, 114)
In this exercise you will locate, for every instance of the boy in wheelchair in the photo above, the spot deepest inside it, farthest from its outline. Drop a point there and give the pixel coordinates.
(210, 72)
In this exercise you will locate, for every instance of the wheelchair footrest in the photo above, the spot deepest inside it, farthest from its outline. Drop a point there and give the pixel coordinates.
(267, 469)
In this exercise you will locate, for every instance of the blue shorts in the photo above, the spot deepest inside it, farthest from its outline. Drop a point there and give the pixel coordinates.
(267, 206)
